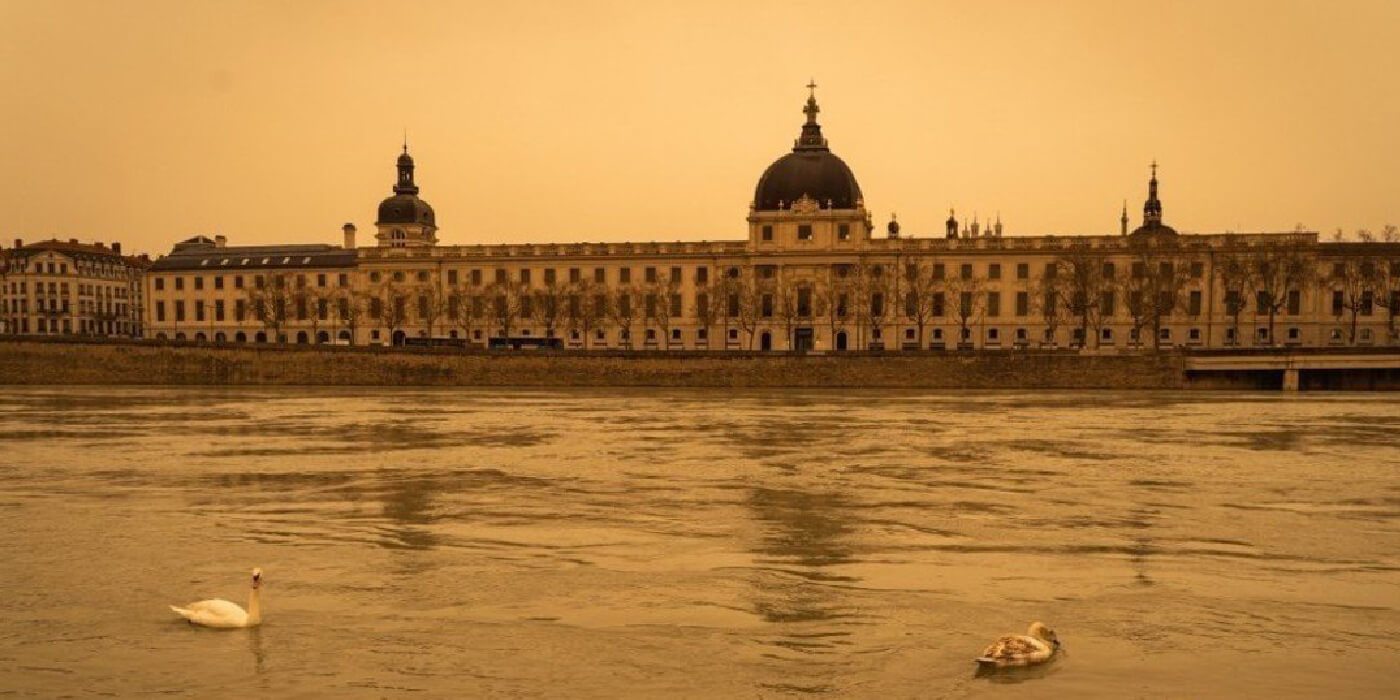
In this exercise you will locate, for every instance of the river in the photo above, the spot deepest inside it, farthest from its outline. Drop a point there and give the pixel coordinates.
(667, 543)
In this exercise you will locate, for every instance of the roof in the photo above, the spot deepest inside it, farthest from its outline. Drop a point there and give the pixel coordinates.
(71, 247)
(200, 254)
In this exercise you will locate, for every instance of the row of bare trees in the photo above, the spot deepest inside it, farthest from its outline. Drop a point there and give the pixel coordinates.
(1085, 287)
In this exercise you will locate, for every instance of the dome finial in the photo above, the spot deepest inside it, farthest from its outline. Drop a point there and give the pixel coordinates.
(811, 138)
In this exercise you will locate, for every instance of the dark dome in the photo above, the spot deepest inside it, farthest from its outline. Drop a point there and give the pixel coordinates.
(1154, 229)
(406, 209)
(818, 174)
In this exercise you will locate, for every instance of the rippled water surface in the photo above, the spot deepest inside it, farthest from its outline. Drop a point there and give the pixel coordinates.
(698, 544)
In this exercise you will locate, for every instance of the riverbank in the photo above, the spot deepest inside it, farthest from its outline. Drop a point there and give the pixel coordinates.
(30, 362)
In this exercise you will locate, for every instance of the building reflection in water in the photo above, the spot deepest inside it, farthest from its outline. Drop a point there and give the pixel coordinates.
(805, 536)
(408, 505)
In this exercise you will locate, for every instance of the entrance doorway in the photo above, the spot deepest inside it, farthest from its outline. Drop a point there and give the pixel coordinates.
(398, 337)
(841, 341)
(803, 340)
(765, 341)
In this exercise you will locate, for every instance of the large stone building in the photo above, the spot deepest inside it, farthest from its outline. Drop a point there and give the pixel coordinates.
(813, 274)
(58, 287)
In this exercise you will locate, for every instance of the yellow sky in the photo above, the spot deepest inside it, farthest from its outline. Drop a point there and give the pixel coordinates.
(148, 122)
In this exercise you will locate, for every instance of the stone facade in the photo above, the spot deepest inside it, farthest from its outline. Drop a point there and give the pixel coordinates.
(812, 275)
(69, 288)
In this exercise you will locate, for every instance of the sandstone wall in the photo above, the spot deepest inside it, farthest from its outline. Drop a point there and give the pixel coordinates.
(50, 363)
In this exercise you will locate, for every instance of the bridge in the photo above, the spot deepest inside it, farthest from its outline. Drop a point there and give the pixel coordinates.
(1322, 368)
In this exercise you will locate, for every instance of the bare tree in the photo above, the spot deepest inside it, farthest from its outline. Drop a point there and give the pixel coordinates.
(466, 309)
(1081, 286)
(508, 302)
(832, 298)
(658, 306)
(919, 290)
(1233, 270)
(708, 310)
(584, 308)
(1388, 295)
(390, 306)
(1152, 289)
(622, 311)
(269, 300)
(547, 307)
(880, 283)
(964, 295)
(349, 308)
(1276, 270)
(1353, 280)
(432, 302)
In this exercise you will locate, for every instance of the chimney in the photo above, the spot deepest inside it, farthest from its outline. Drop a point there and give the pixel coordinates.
(97, 243)
(72, 240)
(116, 247)
(19, 242)
(349, 230)
(220, 240)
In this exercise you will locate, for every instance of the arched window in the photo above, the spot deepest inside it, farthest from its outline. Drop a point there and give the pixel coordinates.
(240, 337)
(301, 337)
(323, 337)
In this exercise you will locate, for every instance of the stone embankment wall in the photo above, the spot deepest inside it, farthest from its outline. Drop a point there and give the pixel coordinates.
(54, 363)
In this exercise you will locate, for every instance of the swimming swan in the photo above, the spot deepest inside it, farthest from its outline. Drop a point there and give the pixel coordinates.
(1034, 647)
(221, 613)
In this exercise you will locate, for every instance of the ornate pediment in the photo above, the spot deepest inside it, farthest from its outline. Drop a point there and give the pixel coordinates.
(805, 205)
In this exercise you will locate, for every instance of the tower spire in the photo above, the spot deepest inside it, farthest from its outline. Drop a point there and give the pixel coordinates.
(1123, 220)
(1152, 208)
(405, 184)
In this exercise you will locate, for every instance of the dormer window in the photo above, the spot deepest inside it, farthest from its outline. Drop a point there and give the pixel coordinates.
(804, 232)
(767, 233)
(843, 232)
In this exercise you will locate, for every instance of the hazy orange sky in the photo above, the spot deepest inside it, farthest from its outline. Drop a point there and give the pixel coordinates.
(148, 122)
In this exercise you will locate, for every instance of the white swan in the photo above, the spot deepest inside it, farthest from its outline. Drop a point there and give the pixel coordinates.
(221, 613)
(1036, 646)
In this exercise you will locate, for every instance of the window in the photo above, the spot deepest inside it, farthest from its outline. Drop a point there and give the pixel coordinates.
(575, 275)
(160, 284)
(804, 232)
(501, 276)
(1023, 303)
(240, 309)
(179, 310)
(843, 232)
(1197, 269)
(219, 282)
(160, 311)
(731, 306)
(1295, 302)
(1051, 269)
(766, 233)
(321, 279)
(939, 271)
(600, 275)
(452, 278)
(675, 305)
(525, 276)
(301, 281)
(1023, 271)
(938, 304)
(218, 309)
(993, 303)
(476, 278)
(1194, 335)
(373, 276)
(994, 335)
(994, 271)
(1108, 271)
(343, 280)
(1368, 301)
(1106, 304)
(549, 278)
(675, 276)
(766, 305)
(702, 275)
(732, 273)
(966, 271)
(1337, 302)
(767, 272)
(179, 283)
(650, 275)
(624, 275)
(1193, 306)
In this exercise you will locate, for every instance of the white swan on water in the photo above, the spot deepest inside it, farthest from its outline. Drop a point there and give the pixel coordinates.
(221, 613)
(1036, 646)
